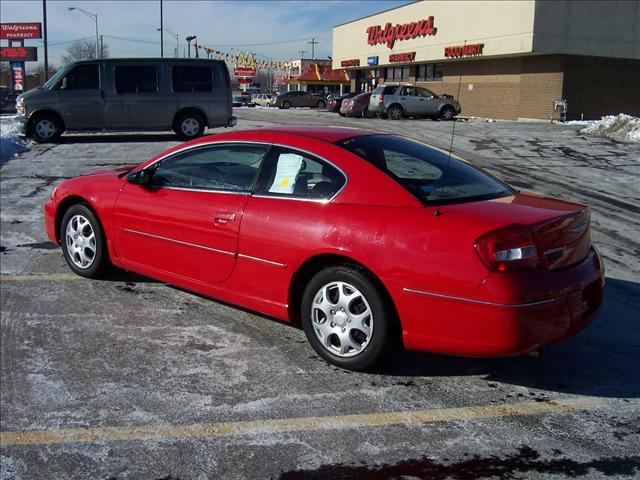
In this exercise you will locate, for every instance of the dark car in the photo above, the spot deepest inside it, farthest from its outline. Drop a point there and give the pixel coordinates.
(298, 98)
(357, 106)
(242, 100)
(335, 101)
(7, 102)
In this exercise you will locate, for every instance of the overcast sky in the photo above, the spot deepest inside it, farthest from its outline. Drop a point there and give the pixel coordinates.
(222, 25)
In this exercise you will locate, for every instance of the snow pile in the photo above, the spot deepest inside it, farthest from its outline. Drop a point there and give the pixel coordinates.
(11, 143)
(621, 127)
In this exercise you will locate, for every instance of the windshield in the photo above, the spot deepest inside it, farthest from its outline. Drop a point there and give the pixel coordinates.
(425, 172)
(48, 85)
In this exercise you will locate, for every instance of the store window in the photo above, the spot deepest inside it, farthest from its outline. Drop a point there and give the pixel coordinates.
(397, 74)
(430, 72)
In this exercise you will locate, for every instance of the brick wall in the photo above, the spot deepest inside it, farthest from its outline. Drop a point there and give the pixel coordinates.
(540, 84)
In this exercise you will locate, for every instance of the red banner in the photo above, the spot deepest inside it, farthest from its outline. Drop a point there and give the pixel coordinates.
(402, 57)
(18, 31)
(19, 54)
(464, 50)
(244, 72)
(350, 63)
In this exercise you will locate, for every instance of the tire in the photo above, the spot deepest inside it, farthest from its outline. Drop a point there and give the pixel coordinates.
(83, 242)
(46, 127)
(366, 113)
(286, 105)
(395, 112)
(189, 125)
(321, 104)
(341, 114)
(447, 113)
(333, 331)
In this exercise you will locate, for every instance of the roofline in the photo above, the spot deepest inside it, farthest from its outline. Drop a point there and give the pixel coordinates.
(377, 13)
(146, 59)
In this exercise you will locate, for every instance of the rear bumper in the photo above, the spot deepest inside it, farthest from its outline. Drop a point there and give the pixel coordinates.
(558, 304)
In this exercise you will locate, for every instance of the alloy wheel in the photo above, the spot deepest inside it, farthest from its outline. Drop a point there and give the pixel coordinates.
(80, 241)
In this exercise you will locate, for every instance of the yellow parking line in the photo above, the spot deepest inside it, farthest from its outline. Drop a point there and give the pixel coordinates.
(309, 424)
(39, 277)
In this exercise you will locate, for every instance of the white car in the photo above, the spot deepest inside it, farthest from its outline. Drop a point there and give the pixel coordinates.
(262, 99)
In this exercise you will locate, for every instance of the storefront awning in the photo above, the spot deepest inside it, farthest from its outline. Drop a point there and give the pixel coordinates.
(321, 74)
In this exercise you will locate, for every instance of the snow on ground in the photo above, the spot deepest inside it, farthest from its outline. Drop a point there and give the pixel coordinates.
(11, 143)
(621, 127)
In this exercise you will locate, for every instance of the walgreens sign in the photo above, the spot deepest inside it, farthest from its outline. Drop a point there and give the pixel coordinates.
(390, 33)
(19, 31)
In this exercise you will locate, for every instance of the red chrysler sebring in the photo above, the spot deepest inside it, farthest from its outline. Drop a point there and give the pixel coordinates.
(360, 236)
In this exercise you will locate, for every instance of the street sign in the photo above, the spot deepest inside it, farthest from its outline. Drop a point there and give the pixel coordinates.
(17, 74)
(20, 31)
(22, 54)
(244, 72)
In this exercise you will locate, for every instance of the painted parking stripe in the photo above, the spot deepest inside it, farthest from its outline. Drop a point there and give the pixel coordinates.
(285, 425)
(40, 277)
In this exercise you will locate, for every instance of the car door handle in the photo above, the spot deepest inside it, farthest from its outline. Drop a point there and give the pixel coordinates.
(223, 218)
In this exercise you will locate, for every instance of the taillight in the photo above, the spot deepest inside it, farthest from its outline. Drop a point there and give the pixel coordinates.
(381, 98)
(508, 249)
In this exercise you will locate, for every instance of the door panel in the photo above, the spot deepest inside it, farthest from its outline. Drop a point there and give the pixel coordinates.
(80, 97)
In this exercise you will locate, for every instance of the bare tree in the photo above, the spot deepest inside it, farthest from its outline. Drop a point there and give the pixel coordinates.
(83, 50)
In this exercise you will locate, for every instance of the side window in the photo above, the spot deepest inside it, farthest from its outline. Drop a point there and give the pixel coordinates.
(136, 78)
(423, 92)
(294, 174)
(83, 77)
(409, 91)
(191, 79)
(230, 168)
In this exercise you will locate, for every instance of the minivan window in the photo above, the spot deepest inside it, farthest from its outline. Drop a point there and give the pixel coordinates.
(136, 79)
(191, 78)
(83, 77)
(429, 174)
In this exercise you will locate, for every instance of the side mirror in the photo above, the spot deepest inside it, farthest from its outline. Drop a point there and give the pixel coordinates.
(141, 177)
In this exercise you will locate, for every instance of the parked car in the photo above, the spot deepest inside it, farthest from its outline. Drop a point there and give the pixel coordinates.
(404, 100)
(335, 101)
(124, 94)
(357, 106)
(262, 99)
(389, 239)
(298, 99)
(7, 102)
(242, 100)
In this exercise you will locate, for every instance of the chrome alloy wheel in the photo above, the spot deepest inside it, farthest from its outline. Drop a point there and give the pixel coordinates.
(45, 129)
(342, 319)
(190, 127)
(81, 241)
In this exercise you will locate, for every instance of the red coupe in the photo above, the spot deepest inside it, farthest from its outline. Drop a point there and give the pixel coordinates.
(360, 236)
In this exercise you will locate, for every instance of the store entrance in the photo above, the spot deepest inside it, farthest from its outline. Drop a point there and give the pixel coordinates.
(366, 80)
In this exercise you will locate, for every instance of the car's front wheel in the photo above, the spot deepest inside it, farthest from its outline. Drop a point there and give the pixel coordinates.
(189, 126)
(286, 105)
(45, 128)
(345, 318)
(83, 242)
(395, 112)
(447, 113)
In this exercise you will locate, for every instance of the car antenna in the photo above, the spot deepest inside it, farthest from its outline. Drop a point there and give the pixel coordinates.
(436, 213)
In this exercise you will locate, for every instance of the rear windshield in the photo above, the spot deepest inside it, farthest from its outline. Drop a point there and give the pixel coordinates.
(386, 90)
(426, 172)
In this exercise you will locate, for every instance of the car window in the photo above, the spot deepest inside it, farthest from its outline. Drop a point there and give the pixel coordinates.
(83, 77)
(430, 175)
(409, 91)
(423, 92)
(295, 174)
(136, 78)
(191, 78)
(225, 167)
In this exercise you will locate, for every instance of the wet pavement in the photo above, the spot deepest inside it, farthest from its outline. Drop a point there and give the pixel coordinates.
(127, 378)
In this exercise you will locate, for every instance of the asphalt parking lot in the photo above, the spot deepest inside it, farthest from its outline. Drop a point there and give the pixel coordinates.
(127, 378)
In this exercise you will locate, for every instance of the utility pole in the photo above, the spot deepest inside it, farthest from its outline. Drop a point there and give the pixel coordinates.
(313, 43)
(302, 52)
(101, 47)
(161, 33)
(44, 36)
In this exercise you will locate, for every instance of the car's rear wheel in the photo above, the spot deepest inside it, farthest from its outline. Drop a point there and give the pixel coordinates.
(189, 125)
(286, 105)
(46, 127)
(321, 104)
(345, 318)
(83, 242)
(447, 113)
(366, 113)
(395, 112)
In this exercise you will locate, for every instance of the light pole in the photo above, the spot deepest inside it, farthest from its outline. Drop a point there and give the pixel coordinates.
(94, 17)
(177, 37)
(189, 39)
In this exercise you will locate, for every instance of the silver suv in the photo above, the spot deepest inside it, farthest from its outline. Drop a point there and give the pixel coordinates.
(405, 100)
(298, 99)
(125, 94)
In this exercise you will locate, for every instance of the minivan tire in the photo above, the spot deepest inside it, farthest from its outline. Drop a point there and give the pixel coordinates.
(46, 127)
(286, 105)
(189, 125)
(395, 112)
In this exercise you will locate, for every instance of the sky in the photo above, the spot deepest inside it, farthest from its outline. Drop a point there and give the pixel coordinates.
(130, 27)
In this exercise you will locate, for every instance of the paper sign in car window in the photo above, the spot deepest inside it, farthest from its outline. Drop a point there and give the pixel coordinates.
(286, 172)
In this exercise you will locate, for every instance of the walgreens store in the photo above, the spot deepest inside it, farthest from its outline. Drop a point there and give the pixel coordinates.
(511, 59)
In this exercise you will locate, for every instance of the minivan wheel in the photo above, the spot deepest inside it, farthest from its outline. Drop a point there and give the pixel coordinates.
(46, 128)
(286, 105)
(345, 318)
(447, 113)
(189, 126)
(395, 112)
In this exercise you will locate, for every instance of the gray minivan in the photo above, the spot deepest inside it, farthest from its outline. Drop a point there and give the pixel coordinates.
(184, 95)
